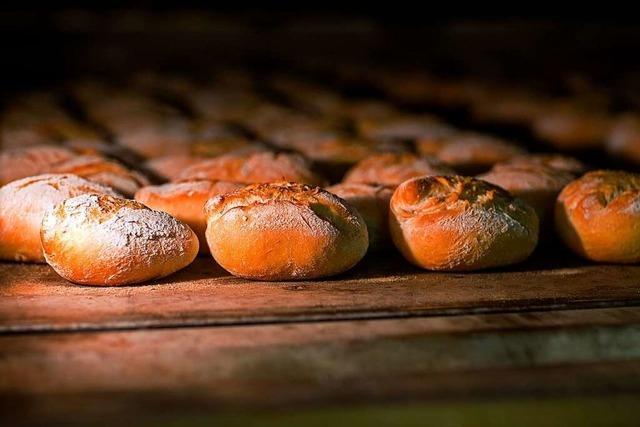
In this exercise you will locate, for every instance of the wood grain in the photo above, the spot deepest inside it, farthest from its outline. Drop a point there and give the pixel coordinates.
(34, 298)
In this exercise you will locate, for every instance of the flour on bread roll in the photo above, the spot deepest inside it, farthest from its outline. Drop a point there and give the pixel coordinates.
(185, 201)
(23, 204)
(108, 241)
(458, 223)
(284, 231)
(372, 202)
(394, 168)
(598, 216)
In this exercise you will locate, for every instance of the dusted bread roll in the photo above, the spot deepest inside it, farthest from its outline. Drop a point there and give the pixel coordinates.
(535, 184)
(16, 163)
(185, 201)
(458, 223)
(250, 168)
(107, 241)
(284, 231)
(372, 201)
(103, 171)
(598, 216)
(394, 168)
(23, 204)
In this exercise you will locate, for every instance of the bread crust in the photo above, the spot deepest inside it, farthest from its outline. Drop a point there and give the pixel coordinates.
(284, 231)
(103, 240)
(23, 204)
(394, 168)
(16, 163)
(185, 201)
(458, 223)
(598, 216)
(472, 153)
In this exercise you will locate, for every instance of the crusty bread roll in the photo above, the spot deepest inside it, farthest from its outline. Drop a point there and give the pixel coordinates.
(103, 171)
(555, 161)
(372, 202)
(252, 168)
(16, 163)
(598, 216)
(459, 223)
(284, 231)
(185, 201)
(394, 168)
(108, 241)
(472, 153)
(536, 184)
(23, 204)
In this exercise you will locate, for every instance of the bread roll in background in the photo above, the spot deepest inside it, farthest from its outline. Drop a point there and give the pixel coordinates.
(458, 223)
(372, 202)
(185, 201)
(598, 216)
(394, 168)
(284, 231)
(23, 204)
(16, 163)
(103, 240)
(555, 161)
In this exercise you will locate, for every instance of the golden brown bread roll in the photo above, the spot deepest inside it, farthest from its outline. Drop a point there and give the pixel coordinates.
(252, 168)
(284, 231)
(537, 185)
(372, 202)
(459, 223)
(472, 153)
(394, 168)
(107, 241)
(185, 201)
(16, 163)
(103, 171)
(555, 161)
(23, 204)
(598, 216)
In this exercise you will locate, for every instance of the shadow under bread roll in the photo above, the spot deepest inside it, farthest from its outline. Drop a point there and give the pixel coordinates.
(598, 216)
(456, 223)
(185, 201)
(103, 240)
(23, 204)
(284, 231)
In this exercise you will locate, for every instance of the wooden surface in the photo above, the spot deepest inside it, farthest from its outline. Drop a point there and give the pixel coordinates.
(203, 342)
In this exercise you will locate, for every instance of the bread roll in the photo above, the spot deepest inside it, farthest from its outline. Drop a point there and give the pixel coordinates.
(555, 161)
(459, 223)
(284, 231)
(107, 241)
(598, 216)
(471, 153)
(394, 168)
(252, 168)
(170, 167)
(103, 171)
(185, 201)
(535, 184)
(16, 163)
(570, 127)
(623, 141)
(372, 202)
(23, 204)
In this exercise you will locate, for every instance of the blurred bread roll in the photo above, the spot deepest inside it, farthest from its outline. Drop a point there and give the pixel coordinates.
(555, 161)
(284, 231)
(394, 168)
(16, 163)
(103, 240)
(471, 153)
(623, 142)
(598, 216)
(372, 202)
(459, 223)
(185, 201)
(169, 168)
(572, 128)
(23, 204)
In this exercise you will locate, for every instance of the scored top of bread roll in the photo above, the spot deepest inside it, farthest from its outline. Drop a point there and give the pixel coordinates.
(284, 231)
(394, 168)
(104, 240)
(598, 216)
(248, 168)
(23, 204)
(459, 223)
(185, 201)
(16, 163)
